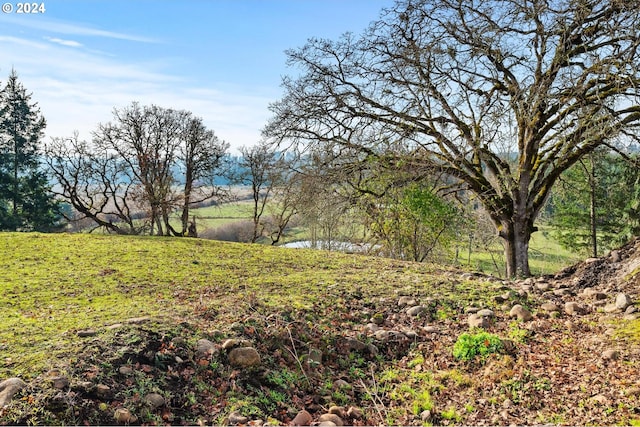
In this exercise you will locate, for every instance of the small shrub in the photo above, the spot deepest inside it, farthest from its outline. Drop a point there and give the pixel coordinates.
(469, 346)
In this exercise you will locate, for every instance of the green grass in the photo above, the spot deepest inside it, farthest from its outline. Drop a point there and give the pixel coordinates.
(52, 285)
(216, 216)
(546, 256)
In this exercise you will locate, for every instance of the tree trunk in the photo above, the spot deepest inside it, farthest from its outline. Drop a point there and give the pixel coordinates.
(516, 236)
(592, 208)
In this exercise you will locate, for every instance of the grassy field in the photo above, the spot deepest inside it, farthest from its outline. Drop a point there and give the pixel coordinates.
(291, 304)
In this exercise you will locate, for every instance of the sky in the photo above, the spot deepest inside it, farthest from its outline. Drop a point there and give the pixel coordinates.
(223, 60)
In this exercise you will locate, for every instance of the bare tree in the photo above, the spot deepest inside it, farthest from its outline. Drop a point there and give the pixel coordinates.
(98, 185)
(502, 95)
(133, 166)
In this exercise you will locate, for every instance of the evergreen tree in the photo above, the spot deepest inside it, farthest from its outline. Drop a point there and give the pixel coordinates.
(25, 201)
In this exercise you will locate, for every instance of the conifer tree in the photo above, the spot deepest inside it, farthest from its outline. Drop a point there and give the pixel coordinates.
(25, 201)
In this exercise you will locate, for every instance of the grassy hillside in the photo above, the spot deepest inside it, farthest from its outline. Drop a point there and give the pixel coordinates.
(122, 318)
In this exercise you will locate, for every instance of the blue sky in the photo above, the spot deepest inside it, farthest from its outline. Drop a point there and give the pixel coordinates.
(221, 59)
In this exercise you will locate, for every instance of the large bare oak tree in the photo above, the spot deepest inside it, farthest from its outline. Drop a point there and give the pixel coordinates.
(502, 95)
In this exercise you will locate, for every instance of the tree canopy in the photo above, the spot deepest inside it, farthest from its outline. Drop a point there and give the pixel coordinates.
(500, 95)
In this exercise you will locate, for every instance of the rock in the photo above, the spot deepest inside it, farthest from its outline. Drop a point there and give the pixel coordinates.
(235, 342)
(154, 400)
(59, 382)
(573, 308)
(8, 388)
(303, 418)
(406, 300)
(86, 333)
(630, 310)
(550, 307)
(124, 416)
(485, 312)
(354, 412)
(477, 321)
(425, 416)
(521, 313)
(337, 410)
(611, 308)
(327, 424)
(615, 256)
(244, 357)
(610, 355)
(125, 370)
(103, 390)
(623, 301)
(205, 349)
(236, 418)
(543, 286)
(417, 311)
(332, 418)
(384, 335)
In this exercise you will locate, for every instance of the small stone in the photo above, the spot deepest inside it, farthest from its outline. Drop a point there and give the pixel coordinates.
(354, 412)
(327, 424)
(615, 256)
(477, 321)
(154, 400)
(103, 390)
(86, 333)
(573, 308)
(623, 301)
(521, 313)
(485, 312)
(235, 342)
(630, 310)
(417, 310)
(124, 416)
(550, 307)
(205, 349)
(125, 370)
(425, 415)
(543, 286)
(244, 357)
(60, 382)
(337, 410)
(507, 404)
(383, 335)
(303, 418)
(332, 418)
(8, 388)
(632, 316)
(611, 308)
(611, 355)
(406, 300)
(237, 418)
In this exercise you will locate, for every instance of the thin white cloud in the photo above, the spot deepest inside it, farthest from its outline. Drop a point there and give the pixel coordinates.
(73, 29)
(76, 89)
(69, 43)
